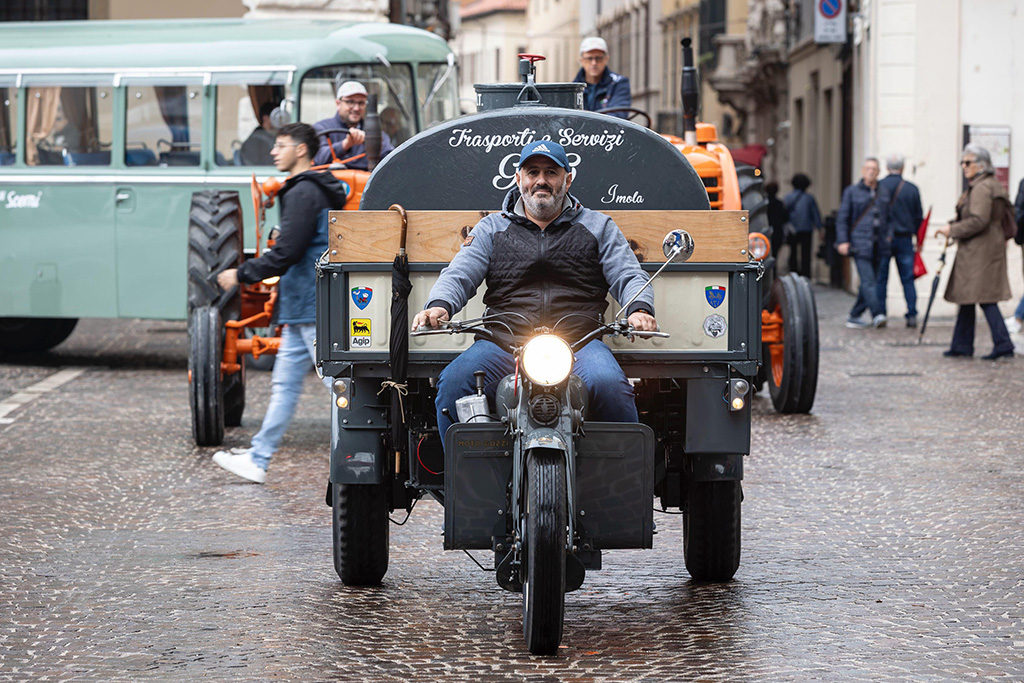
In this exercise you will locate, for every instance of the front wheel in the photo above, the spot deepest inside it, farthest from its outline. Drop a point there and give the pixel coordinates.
(544, 549)
(711, 530)
(786, 375)
(205, 382)
(360, 532)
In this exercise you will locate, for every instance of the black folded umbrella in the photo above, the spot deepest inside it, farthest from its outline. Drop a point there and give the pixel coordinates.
(935, 289)
(398, 346)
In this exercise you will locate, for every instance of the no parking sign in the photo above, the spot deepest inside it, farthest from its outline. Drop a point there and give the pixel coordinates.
(830, 21)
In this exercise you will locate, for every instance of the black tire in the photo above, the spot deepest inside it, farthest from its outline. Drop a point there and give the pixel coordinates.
(20, 335)
(544, 551)
(786, 379)
(752, 198)
(811, 350)
(214, 245)
(205, 385)
(711, 530)
(234, 396)
(360, 526)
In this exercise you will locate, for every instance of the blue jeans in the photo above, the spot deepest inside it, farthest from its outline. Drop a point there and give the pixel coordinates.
(903, 252)
(1019, 313)
(867, 295)
(294, 360)
(611, 394)
(963, 331)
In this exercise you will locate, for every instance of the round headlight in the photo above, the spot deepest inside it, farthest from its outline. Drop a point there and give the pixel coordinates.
(547, 360)
(758, 245)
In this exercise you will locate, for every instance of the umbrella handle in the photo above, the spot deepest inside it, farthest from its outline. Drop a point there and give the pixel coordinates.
(405, 225)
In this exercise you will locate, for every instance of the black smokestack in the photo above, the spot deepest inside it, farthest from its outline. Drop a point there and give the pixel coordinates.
(690, 90)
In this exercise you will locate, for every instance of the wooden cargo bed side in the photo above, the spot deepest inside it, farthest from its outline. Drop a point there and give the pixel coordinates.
(436, 236)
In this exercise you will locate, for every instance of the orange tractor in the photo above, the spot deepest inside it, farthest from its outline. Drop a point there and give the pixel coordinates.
(226, 326)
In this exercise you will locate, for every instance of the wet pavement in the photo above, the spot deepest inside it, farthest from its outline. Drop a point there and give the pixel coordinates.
(881, 539)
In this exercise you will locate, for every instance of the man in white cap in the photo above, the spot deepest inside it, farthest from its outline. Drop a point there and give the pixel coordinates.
(351, 103)
(605, 88)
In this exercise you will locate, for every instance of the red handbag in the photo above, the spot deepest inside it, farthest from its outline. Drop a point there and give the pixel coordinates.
(919, 268)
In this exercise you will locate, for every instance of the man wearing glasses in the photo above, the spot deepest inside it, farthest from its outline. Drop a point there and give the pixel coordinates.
(351, 105)
(605, 88)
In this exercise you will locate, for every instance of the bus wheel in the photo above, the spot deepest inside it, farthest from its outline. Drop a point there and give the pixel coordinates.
(360, 532)
(785, 376)
(205, 386)
(214, 245)
(752, 198)
(18, 335)
(711, 530)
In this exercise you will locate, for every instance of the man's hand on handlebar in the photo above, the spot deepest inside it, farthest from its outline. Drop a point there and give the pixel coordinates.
(643, 322)
(431, 317)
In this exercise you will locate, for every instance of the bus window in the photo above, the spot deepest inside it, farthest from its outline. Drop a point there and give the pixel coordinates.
(244, 132)
(8, 125)
(391, 84)
(438, 90)
(68, 126)
(164, 125)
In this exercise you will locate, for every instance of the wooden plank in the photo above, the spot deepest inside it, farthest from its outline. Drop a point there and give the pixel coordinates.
(436, 236)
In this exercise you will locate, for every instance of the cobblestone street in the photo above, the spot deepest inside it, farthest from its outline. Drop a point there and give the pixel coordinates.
(881, 538)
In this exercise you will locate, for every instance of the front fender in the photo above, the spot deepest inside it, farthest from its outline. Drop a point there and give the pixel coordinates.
(545, 437)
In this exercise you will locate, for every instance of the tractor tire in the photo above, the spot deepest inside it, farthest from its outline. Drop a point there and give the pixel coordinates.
(234, 396)
(809, 384)
(360, 532)
(214, 245)
(21, 335)
(786, 374)
(711, 530)
(752, 198)
(205, 384)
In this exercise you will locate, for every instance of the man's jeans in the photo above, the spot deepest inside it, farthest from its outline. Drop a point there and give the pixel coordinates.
(903, 252)
(294, 360)
(867, 295)
(611, 394)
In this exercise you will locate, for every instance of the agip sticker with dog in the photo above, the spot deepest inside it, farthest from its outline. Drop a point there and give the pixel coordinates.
(714, 326)
(360, 333)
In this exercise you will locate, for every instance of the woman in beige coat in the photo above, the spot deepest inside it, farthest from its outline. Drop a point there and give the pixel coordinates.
(979, 270)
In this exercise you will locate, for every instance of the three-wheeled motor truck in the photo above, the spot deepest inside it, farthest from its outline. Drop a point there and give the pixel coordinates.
(525, 473)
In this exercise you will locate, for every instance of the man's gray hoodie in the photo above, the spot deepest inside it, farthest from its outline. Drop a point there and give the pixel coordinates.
(562, 273)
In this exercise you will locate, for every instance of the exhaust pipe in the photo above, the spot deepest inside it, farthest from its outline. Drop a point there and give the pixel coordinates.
(690, 91)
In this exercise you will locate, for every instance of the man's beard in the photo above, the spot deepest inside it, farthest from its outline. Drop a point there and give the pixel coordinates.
(545, 208)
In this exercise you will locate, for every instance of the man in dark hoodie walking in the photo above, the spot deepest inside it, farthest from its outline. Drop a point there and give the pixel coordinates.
(547, 259)
(605, 88)
(305, 198)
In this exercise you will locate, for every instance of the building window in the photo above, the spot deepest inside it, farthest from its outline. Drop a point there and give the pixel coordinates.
(44, 10)
(712, 23)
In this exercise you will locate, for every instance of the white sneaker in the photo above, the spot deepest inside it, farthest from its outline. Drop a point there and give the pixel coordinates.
(879, 320)
(1012, 325)
(239, 461)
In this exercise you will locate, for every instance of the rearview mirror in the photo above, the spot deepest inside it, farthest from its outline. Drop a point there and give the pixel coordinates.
(677, 246)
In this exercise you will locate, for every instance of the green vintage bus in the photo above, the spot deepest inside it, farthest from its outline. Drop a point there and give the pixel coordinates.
(107, 128)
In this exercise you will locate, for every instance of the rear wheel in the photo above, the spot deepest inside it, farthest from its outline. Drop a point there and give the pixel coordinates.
(205, 384)
(18, 335)
(711, 530)
(809, 383)
(360, 532)
(544, 550)
(786, 374)
(752, 198)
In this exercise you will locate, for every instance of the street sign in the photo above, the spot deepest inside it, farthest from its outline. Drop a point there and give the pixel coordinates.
(830, 21)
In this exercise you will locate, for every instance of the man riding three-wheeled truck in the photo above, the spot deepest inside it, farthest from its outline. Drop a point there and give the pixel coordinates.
(528, 470)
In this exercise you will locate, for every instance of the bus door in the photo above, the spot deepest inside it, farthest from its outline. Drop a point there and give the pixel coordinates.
(57, 202)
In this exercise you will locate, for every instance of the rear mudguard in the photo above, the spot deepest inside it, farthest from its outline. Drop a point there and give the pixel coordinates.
(358, 448)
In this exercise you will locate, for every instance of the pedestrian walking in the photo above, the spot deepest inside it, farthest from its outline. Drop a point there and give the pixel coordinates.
(351, 105)
(978, 276)
(862, 231)
(778, 217)
(605, 88)
(305, 198)
(805, 217)
(905, 216)
(1015, 323)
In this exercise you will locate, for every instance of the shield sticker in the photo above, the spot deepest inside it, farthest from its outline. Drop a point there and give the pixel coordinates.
(715, 295)
(361, 297)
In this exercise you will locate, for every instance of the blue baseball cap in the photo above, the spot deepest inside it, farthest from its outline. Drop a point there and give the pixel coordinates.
(546, 148)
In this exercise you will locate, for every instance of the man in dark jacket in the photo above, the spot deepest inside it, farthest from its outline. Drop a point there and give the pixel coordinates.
(862, 231)
(549, 259)
(905, 216)
(605, 88)
(351, 104)
(805, 218)
(304, 199)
